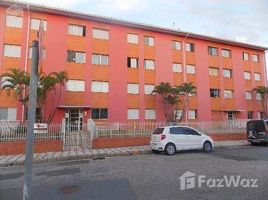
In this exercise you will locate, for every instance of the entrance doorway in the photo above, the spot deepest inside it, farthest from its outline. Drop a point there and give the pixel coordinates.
(74, 119)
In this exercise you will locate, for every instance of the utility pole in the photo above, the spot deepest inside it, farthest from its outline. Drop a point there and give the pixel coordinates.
(28, 167)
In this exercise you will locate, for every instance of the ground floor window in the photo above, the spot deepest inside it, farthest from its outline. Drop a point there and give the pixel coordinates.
(230, 115)
(99, 113)
(260, 115)
(250, 115)
(8, 114)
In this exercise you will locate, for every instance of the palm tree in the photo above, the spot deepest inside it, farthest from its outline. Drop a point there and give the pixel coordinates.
(186, 90)
(263, 91)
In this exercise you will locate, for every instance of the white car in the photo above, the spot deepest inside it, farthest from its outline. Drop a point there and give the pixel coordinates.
(175, 138)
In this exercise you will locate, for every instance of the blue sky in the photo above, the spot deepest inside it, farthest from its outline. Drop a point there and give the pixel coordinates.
(240, 20)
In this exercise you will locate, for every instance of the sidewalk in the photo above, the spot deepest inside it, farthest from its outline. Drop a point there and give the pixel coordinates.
(95, 153)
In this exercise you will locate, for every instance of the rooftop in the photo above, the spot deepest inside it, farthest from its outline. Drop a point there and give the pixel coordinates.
(139, 25)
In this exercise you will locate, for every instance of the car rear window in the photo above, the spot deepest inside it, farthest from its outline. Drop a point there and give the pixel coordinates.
(158, 131)
(257, 125)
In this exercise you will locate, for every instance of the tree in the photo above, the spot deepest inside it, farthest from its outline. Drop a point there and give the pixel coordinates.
(49, 85)
(263, 91)
(170, 96)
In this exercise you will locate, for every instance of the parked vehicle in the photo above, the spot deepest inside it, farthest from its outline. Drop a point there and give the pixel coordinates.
(257, 131)
(175, 138)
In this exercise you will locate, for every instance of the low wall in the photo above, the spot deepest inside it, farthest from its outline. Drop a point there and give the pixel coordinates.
(10, 148)
(99, 143)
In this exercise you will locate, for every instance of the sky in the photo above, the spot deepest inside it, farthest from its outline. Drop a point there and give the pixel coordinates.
(240, 20)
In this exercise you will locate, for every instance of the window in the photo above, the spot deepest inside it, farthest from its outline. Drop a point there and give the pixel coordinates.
(215, 93)
(98, 59)
(132, 62)
(149, 41)
(213, 51)
(227, 73)
(133, 114)
(256, 58)
(14, 21)
(149, 114)
(248, 95)
(177, 114)
(13, 51)
(132, 38)
(192, 114)
(257, 76)
(35, 24)
(177, 130)
(189, 131)
(230, 115)
(189, 47)
(245, 56)
(76, 30)
(43, 53)
(149, 64)
(75, 86)
(176, 45)
(260, 115)
(76, 57)
(8, 114)
(228, 94)
(99, 113)
(226, 53)
(176, 67)
(247, 75)
(148, 89)
(4, 81)
(258, 97)
(100, 34)
(98, 86)
(213, 71)
(133, 88)
(250, 114)
(190, 69)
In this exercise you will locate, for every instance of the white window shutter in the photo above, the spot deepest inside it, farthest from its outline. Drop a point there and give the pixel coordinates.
(150, 114)
(148, 89)
(12, 51)
(133, 88)
(133, 114)
(14, 21)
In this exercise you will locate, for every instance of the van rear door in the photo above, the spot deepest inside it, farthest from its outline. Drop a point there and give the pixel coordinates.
(256, 129)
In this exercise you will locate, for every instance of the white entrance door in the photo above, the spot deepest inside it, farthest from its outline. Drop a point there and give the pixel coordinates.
(74, 119)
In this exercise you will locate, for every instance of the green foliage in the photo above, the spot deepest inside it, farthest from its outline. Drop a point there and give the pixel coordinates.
(263, 91)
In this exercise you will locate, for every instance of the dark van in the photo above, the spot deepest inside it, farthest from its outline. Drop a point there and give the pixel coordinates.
(257, 131)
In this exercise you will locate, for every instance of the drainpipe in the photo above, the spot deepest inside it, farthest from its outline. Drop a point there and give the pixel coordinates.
(26, 55)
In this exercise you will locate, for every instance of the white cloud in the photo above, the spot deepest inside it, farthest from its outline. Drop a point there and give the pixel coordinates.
(57, 3)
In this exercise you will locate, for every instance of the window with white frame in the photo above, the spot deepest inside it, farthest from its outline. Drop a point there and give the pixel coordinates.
(226, 53)
(76, 57)
(14, 21)
(248, 95)
(227, 73)
(43, 54)
(13, 51)
(132, 88)
(75, 86)
(228, 94)
(176, 67)
(100, 86)
(148, 89)
(148, 41)
(213, 71)
(132, 62)
(256, 58)
(98, 59)
(176, 45)
(213, 51)
(258, 96)
(35, 24)
(149, 64)
(247, 76)
(177, 114)
(132, 38)
(192, 114)
(99, 113)
(76, 30)
(257, 77)
(189, 47)
(150, 114)
(9, 114)
(245, 56)
(190, 69)
(100, 34)
(133, 114)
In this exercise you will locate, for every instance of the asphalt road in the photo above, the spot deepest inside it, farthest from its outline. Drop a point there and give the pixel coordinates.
(147, 176)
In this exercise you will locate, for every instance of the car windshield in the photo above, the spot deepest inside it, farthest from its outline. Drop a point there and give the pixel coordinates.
(158, 131)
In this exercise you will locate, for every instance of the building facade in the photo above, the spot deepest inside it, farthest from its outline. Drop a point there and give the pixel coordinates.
(113, 66)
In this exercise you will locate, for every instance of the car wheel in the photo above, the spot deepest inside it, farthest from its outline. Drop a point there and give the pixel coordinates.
(156, 151)
(254, 143)
(207, 147)
(170, 149)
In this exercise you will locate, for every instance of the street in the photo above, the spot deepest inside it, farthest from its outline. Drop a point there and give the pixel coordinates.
(147, 176)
